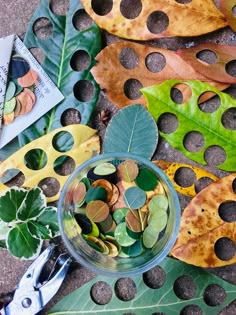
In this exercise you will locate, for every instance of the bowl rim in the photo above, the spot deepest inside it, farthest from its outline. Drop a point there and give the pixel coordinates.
(149, 264)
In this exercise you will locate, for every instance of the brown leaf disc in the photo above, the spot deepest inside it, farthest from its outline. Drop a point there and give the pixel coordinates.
(136, 220)
(28, 79)
(113, 249)
(79, 193)
(26, 102)
(31, 94)
(115, 195)
(17, 108)
(127, 170)
(97, 211)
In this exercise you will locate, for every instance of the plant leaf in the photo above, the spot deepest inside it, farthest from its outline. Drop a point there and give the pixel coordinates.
(49, 219)
(33, 204)
(10, 202)
(147, 300)
(131, 130)
(149, 66)
(22, 244)
(191, 118)
(226, 7)
(184, 19)
(59, 50)
(202, 225)
(38, 231)
(4, 229)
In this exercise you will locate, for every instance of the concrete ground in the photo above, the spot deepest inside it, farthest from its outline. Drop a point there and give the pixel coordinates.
(14, 17)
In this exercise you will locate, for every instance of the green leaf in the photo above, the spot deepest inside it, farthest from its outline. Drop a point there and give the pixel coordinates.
(9, 149)
(59, 48)
(147, 300)
(38, 231)
(131, 130)
(4, 229)
(22, 244)
(48, 218)
(33, 204)
(191, 118)
(10, 202)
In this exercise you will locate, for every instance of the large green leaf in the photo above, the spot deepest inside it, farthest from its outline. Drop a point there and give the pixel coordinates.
(10, 202)
(192, 118)
(147, 300)
(132, 130)
(59, 49)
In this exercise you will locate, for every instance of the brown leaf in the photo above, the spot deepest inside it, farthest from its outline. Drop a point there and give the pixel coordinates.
(211, 60)
(149, 66)
(201, 225)
(154, 19)
(226, 8)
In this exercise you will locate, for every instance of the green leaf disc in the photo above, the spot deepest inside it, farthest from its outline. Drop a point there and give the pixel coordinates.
(135, 197)
(146, 180)
(158, 202)
(134, 250)
(150, 237)
(127, 170)
(95, 230)
(96, 193)
(104, 169)
(127, 132)
(10, 203)
(120, 214)
(97, 211)
(122, 236)
(11, 90)
(158, 220)
(9, 106)
(86, 181)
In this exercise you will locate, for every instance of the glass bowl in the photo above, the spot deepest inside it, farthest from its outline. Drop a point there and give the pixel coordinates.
(88, 255)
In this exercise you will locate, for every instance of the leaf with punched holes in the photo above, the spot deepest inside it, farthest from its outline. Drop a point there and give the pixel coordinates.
(150, 296)
(212, 130)
(130, 66)
(63, 52)
(207, 232)
(228, 9)
(146, 20)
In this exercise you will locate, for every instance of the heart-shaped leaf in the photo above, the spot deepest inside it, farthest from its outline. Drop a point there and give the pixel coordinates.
(149, 299)
(205, 221)
(149, 20)
(10, 202)
(190, 118)
(226, 8)
(134, 131)
(60, 50)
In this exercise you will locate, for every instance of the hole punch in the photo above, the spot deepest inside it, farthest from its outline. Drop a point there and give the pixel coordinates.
(202, 183)
(228, 119)
(80, 60)
(211, 105)
(155, 62)
(81, 20)
(101, 293)
(63, 141)
(214, 295)
(125, 289)
(38, 54)
(208, 56)
(168, 123)
(185, 177)
(227, 211)
(128, 58)
(70, 116)
(130, 9)
(84, 90)
(225, 248)
(64, 165)
(59, 7)
(194, 141)
(36, 159)
(185, 287)
(102, 7)
(157, 22)
(191, 309)
(43, 28)
(215, 155)
(230, 68)
(154, 278)
(50, 186)
(132, 89)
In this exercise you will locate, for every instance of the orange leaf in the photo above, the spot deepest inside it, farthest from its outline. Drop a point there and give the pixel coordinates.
(226, 8)
(147, 66)
(146, 20)
(202, 226)
(171, 169)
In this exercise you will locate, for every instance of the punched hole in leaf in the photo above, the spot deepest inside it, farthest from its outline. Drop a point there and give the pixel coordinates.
(228, 119)
(125, 289)
(128, 58)
(225, 248)
(157, 22)
(12, 177)
(209, 105)
(208, 56)
(154, 278)
(101, 293)
(102, 7)
(185, 177)
(38, 54)
(155, 62)
(35, 159)
(234, 10)
(214, 295)
(230, 68)
(130, 9)
(64, 165)
(234, 185)
(42, 28)
(181, 93)
(80, 60)
(70, 116)
(50, 186)
(84, 90)
(159, 313)
(202, 183)
(168, 123)
(132, 89)
(191, 309)
(227, 211)
(59, 7)
(215, 155)
(63, 141)
(194, 141)
(185, 287)
(81, 20)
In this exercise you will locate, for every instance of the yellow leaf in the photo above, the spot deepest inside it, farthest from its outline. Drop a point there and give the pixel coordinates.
(86, 145)
(202, 226)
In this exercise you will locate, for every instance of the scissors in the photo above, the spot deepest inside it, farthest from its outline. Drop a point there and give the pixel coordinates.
(30, 296)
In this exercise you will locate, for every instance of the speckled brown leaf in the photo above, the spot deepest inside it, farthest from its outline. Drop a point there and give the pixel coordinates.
(154, 19)
(211, 60)
(171, 169)
(201, 225)
(226, 8)
(113, 74)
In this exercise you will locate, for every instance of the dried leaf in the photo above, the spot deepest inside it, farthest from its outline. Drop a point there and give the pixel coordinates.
(177, 19)
(226, 8)
(211, 60)
(149, 66)
(201, 225)
(85, 145)
(171, 168)
(191, 118)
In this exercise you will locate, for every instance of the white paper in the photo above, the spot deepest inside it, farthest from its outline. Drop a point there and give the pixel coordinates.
(47, 94)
